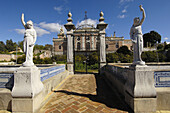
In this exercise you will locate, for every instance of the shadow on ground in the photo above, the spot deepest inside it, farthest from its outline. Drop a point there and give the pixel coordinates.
(104, 95)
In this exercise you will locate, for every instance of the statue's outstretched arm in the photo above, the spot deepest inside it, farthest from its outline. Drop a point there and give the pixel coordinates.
(22, 20)
(144, 15)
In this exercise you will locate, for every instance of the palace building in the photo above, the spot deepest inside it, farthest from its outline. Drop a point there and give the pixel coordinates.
(86, 39)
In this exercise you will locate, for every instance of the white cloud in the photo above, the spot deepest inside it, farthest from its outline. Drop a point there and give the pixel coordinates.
(39, 31)
(123, 1)
(59, 9)
(52, 27)
(121, 16)
(44, 28)
(89, 21)
(20, 31)
(166, 38)
(124, 11)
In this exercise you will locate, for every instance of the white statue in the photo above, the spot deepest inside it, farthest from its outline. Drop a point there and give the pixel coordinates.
(137, 39)
(30, 37)
(61, 30)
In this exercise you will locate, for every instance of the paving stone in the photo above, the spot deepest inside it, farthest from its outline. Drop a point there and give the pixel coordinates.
(82, 109)
(56, 111)
(79, 95)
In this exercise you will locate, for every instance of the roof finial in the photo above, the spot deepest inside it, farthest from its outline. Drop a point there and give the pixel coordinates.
(114, 34)
(85, 18)
(101, 17)
(69, 17)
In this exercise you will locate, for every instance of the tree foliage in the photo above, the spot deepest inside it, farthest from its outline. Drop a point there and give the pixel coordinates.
(124, 50)
(167, 47)
(153, 56)
(151, 38)
(2, 47)
(10, 45)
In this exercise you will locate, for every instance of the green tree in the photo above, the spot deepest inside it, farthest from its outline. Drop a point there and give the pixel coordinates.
(112, 57)
(168, 56)
(21, 59)
(124, 50)
(160, 47)
(39, 47)
(167, 47)
(93, 58)
(10, 45)
(48, 47)
(151, 38)
(2, 47)
(150, 56)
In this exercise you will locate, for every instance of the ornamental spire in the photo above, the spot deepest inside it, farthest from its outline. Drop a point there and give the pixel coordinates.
(69, 17)
(101, 17)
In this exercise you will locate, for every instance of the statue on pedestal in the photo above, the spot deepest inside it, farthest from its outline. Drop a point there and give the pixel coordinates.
(30, 37)
(137, 39)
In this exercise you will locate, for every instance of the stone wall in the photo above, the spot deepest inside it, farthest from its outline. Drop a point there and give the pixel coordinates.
(121, 78)
(51, 76)
(8, 57)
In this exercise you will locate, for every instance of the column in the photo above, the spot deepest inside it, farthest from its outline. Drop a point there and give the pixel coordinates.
(83, 43)
(102, 26)
(92, 42)
(70, 27)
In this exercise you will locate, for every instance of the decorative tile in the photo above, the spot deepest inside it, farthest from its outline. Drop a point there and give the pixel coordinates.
(4, 79)
(50, 72)
(162, 78)
(44, 74)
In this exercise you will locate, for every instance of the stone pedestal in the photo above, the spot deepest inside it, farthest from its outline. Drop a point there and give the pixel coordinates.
(102, 64)
(141, 105)
(27, 82)
(27, 105)
(27, 89)
(140, 90)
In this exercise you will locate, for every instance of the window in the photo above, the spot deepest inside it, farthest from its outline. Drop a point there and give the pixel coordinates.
(78, 46)
(78, 38)
(88, 45)
(59, 46)
(107, 46)
(117, 45)
(87, 38)
(97, 45)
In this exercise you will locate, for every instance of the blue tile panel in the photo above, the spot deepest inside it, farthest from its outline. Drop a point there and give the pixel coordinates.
(162, 78)
(44, 74)
(50, 72)
(6, 77)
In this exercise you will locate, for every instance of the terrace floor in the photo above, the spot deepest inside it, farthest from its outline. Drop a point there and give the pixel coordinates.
(85, 93)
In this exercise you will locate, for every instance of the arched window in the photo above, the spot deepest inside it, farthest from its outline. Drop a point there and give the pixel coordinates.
(78, 38)
(117, 45)
(78, 46)
(87, 38)
(59, 46)
(97, 45)
(88, 45)
(107, 46)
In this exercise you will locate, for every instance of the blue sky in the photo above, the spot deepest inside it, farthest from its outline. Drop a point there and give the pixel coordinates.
(49, 15)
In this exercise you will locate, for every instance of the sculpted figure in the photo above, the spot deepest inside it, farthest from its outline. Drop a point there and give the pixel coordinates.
(30, 37)
(137, 39)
